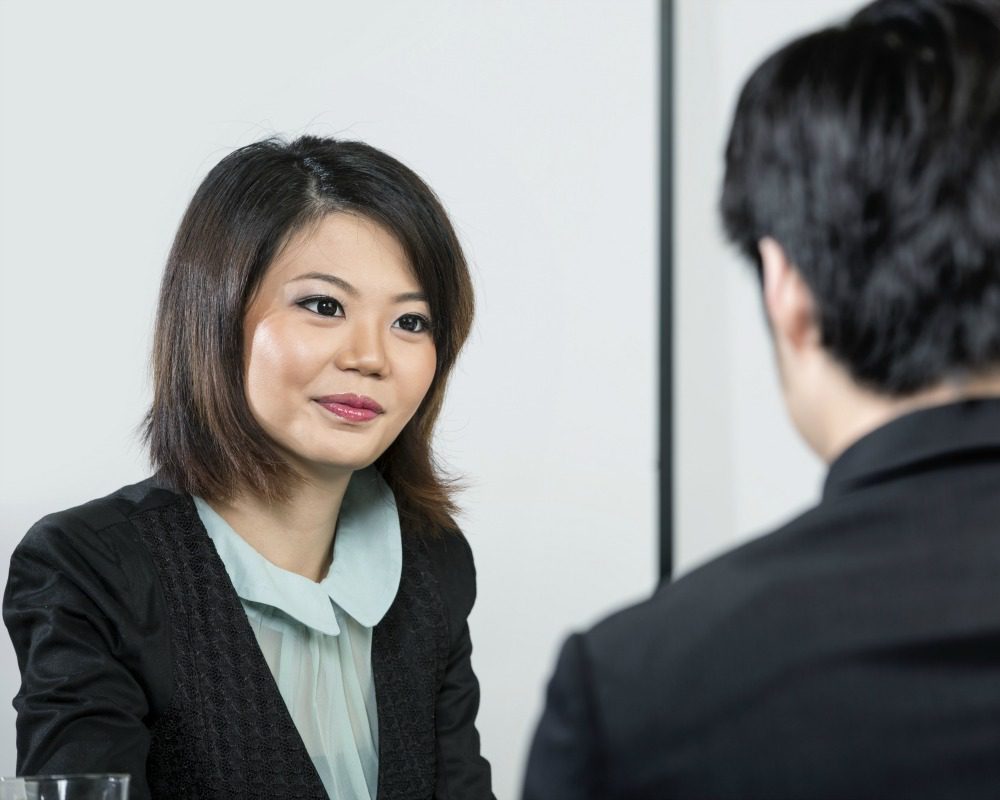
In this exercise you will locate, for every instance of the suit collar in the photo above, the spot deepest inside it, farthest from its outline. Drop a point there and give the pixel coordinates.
(918, 439)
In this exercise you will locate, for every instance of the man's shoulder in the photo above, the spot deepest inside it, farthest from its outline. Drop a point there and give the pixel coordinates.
(719, 614)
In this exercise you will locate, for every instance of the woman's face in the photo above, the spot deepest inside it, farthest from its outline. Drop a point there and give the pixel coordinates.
(338, 350)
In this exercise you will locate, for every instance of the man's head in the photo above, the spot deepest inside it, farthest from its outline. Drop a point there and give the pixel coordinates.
(863, 178)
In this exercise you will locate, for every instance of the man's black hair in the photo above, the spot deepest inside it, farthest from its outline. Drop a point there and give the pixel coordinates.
(871, 152)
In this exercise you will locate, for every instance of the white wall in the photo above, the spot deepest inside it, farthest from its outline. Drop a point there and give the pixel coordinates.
(740, 467)
(536, 123)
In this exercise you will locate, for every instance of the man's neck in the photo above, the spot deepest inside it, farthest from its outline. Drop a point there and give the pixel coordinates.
(856, 412)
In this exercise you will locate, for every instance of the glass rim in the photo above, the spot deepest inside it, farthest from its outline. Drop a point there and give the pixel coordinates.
(70, 776)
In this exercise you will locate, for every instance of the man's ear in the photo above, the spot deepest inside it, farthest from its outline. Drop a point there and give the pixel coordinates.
(788, 300)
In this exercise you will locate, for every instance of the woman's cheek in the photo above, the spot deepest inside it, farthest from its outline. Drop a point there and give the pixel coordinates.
(276, 370)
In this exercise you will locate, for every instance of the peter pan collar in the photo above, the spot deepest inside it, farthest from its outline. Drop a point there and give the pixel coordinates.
(363, 577)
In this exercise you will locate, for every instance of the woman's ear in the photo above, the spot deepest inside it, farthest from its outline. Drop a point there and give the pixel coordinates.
(790, 307)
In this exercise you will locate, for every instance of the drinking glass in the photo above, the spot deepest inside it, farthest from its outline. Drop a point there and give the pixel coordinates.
(65, 787)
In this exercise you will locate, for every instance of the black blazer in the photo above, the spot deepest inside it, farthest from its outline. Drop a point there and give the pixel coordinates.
(136, 656)
(853, 653)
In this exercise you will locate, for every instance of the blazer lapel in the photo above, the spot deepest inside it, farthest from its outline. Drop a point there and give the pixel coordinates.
(409, 655)
(228, 723)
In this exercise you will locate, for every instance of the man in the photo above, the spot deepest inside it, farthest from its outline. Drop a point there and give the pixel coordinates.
(854, 652)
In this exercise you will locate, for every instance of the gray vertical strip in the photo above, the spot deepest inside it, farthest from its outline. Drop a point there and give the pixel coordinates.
(666, 419)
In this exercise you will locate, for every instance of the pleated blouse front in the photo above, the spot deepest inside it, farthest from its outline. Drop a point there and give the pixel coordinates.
(317, 637)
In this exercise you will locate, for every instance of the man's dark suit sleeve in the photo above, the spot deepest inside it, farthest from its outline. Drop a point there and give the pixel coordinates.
(566, 760)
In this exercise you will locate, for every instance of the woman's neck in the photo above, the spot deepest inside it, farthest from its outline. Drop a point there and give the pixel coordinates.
(296, 534)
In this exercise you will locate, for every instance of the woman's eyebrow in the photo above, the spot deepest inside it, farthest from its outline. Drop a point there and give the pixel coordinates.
(405, 297)
(325, 276)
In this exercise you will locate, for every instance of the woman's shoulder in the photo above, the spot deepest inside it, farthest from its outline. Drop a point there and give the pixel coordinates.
(450, 559)
(109, 511)
(83, 586)
(96, 536)
(449, 550)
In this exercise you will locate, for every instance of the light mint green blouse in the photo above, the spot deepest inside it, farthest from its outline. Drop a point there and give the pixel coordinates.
(317, 637)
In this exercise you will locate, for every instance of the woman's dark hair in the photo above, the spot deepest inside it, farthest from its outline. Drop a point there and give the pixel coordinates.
(201, 433)
(871, 152)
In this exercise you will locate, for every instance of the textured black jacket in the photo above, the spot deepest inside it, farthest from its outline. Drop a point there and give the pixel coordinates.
(854, 653)
(136, 656)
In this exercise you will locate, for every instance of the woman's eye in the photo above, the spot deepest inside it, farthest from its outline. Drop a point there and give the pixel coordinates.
(413, 323)
(324, 306)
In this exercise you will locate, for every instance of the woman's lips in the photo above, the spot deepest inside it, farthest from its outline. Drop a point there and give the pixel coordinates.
(352, 407)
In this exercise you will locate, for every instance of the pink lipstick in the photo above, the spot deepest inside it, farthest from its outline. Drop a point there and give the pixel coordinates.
(351, 407)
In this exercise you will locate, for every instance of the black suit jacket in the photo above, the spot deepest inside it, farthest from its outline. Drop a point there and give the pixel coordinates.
(136, 656)
(853, 653)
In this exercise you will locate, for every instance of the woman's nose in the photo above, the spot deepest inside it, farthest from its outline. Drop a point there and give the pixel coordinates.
(362, 349)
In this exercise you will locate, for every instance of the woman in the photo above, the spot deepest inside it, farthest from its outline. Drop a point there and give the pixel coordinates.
(312, 307)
